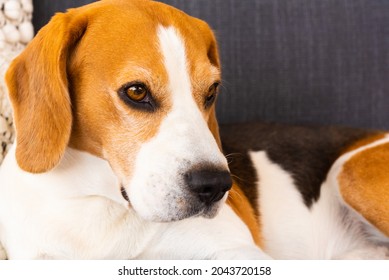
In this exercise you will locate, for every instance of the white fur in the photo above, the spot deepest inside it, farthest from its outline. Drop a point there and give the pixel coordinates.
(182, 142)
(292, 231)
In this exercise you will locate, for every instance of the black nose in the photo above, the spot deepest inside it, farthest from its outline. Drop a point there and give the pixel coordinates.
(209, 186)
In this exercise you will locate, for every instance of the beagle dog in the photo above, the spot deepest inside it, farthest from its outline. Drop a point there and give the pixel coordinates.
(118, 154)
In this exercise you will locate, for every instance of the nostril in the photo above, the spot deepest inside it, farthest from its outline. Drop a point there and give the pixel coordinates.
(211, 196)
(210, 186)
(206, 194)
(205, 191)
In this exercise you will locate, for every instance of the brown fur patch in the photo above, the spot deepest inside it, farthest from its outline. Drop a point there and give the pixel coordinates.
(242, 207)
(364, 185)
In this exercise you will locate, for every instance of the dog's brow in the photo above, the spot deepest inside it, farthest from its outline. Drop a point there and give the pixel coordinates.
(204, 78)
(136, 71)
(142, 70)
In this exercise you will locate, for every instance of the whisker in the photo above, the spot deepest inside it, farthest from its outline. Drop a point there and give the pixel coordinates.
(237, 177)
(233, 154)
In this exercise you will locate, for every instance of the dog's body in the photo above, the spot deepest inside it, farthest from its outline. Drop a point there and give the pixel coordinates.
(307, 185)
(118, 153)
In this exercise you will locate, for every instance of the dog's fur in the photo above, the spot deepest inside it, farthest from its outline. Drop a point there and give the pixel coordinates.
(94, 174)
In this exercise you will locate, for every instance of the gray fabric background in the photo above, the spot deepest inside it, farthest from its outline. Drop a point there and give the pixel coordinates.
(293, 61)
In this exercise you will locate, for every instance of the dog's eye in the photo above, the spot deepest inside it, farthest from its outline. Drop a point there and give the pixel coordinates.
(212, 92)
(137, 95)
(136, 92)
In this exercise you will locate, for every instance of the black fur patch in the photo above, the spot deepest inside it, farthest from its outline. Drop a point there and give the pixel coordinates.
(306, 152)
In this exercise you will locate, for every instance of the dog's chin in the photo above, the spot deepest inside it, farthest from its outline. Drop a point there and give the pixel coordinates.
(208, 212)
(211, 212)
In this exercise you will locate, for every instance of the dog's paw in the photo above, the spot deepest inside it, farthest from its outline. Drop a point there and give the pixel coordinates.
(3, 255)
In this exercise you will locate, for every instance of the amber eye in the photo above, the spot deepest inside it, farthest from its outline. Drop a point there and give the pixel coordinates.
(137, 92)
(212, 92)
(137, 95)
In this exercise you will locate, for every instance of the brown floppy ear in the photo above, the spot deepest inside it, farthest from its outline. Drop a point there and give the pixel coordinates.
(210, 40)
(38, 89)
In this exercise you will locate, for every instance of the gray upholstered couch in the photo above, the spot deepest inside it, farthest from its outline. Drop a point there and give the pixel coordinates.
(294, 61)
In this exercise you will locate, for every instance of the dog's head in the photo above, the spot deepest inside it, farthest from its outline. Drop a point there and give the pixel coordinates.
(133, 82)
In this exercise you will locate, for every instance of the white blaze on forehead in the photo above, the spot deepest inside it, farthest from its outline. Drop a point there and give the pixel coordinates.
(173, 51)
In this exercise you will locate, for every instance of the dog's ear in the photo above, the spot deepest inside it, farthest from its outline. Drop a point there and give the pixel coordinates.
(213, 52)
(211, 43)
(38, 89)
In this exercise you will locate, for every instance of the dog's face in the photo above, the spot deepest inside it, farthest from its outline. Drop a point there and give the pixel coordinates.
(133, 82)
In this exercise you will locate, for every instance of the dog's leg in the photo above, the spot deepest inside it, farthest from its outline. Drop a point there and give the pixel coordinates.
(223, 237)
(360, 181)
(363, 186)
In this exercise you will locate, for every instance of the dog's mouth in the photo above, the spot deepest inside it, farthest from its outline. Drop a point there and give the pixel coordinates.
(196, 210)
(124, 194)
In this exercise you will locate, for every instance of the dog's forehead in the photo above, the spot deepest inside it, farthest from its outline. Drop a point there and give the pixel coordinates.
(127, 33)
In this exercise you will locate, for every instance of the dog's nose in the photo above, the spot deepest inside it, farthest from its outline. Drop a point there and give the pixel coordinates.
(209, 186)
